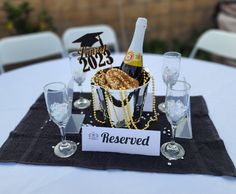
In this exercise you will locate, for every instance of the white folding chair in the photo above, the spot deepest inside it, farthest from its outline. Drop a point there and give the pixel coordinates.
(23, 48)
(217, 42)
(108, 36)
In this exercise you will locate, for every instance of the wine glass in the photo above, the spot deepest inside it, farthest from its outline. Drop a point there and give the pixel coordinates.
(170, 71)
(177, 107)
(59, 109)
(79, 77)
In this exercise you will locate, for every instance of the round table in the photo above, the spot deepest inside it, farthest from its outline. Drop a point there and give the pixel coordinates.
(20, 88)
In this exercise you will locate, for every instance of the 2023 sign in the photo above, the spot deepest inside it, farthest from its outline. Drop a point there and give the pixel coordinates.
(92, 58)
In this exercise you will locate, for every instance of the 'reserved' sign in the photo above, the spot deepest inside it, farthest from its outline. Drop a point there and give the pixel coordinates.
(104, 139)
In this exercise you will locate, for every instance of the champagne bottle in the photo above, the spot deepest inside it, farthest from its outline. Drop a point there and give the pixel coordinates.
(133, 61)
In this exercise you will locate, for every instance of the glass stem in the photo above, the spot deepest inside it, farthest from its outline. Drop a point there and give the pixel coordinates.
(174, 127)
(81, 91)
(165, 96)
(63, 135)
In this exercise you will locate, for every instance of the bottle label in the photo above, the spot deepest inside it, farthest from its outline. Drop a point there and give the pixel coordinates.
(134, 59)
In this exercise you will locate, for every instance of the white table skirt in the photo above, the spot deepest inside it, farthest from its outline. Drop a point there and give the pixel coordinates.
(20, 88)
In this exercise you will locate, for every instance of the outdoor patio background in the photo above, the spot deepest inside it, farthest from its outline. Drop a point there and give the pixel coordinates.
(167, 19)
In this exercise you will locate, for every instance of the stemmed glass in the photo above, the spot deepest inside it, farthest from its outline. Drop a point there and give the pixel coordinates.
(177, 107)
(79, 77)
(170, 71)
(59, 109)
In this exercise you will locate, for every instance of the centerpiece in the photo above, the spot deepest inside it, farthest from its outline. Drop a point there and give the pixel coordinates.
(121, 90)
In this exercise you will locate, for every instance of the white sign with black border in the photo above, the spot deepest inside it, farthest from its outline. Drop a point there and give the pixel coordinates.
(104, 139)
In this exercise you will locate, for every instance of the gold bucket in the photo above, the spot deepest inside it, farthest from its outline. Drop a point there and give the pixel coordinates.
(123, 108)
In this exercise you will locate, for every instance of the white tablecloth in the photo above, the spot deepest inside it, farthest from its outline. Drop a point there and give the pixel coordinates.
(20, 88)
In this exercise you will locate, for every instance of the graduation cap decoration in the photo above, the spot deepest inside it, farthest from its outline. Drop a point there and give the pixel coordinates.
(91, 57)
(88, 40)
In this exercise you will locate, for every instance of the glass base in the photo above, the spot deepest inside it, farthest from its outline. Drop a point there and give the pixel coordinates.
(162, 107)
(65, 150)
(82, 103)
(172, 150)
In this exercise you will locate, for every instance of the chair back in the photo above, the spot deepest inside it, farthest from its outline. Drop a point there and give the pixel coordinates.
(108, 36)
(22, 48)
(217, 42)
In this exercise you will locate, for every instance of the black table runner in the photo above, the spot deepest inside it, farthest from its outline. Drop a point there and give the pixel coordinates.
(32, 140)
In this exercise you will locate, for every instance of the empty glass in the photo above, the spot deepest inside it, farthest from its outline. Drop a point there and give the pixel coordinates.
(170, 71)
(177, 107)
(59, 109)
(79, 77)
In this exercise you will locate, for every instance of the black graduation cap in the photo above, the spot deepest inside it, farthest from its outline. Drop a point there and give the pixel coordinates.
(89, 39)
